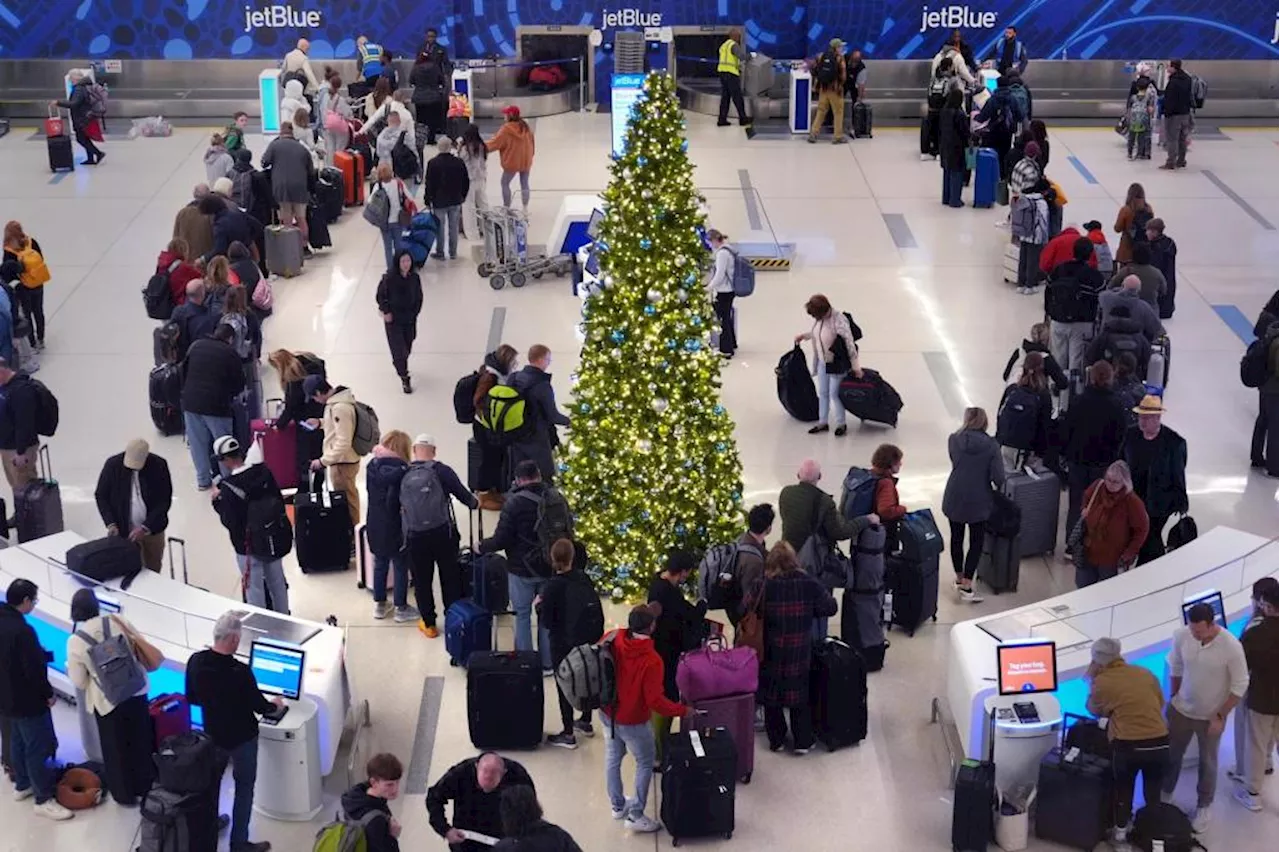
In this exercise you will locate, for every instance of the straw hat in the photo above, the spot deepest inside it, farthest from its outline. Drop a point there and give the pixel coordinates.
(1151, 404)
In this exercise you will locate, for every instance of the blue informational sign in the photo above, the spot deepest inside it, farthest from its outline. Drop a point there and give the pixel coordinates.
(627, 89)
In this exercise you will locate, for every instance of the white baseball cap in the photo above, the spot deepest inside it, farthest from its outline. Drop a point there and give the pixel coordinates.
(425, 440)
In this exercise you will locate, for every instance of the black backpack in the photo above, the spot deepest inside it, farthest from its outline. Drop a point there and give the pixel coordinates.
(404, 163)
(1253, 365)
(157, 297)
(586, 613)
(1164, 822)
(1138, 230)
(1018, 418)
(464, 395)
(827, 69)
(267, 527)
(46, 409)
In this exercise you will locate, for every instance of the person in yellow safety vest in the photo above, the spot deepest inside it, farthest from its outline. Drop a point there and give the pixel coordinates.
(368, 59)
(732, 54)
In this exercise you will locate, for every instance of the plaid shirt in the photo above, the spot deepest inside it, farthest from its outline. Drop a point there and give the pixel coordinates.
(791, 602)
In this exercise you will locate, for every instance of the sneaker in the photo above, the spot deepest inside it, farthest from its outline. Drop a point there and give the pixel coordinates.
(382, 609)
(23, 795)
(52, 810)
(202, 487)
(924, 158)
(811, 140)
(428, 630)
(722, 124)
(970, 596)
(1120, 835)
(777, 747)
(1249, 800)
(1200, 821)
(837, 141)
(406, 615)
(620, 813)
(800, 751)
(564, 740)
(584, 727)
(640, 823)
(548, 672)
(406, 385)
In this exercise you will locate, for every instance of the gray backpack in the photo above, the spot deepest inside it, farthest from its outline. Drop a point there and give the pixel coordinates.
(115, 668)
(164, 822)
(588, 677)
(424, 502)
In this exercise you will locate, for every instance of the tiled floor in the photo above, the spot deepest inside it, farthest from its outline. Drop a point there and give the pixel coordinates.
(934, 309)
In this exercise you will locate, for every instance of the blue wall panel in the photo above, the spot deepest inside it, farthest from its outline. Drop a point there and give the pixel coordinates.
(175, 29)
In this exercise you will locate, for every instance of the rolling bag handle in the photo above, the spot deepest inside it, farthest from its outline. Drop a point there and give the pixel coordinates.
(173, 540)
(45, 463)
(362, 549)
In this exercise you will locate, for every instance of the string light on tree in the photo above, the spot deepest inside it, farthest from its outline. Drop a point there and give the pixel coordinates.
(650, 463)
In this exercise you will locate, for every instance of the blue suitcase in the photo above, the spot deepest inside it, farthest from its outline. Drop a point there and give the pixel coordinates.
(468, 627)
(988, 175)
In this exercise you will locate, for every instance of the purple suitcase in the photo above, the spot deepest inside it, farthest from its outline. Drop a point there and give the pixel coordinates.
(716, 670)
(737, 713)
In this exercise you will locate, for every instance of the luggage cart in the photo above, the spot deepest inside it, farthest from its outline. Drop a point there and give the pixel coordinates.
(506, 251)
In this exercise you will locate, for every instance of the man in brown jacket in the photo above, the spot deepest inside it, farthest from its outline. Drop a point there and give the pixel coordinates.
(193, 226)
(828, 79)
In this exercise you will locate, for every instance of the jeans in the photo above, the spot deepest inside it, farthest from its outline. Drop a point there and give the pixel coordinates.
(524, 189)
(244, 772)
(522, 591)
(32, 745)
(952, 187)
(31, 301)
(450, 221)
(829, 100)
(440, 546)
(829, 395)
(390, 244)
(731, 90)
(400, 337)
(1087, 573)
(775, 726)
(1255, 736)
(1177, 130)
(619, 739)
(724, 315)
(263, 578)
(1151, 758)
(967, 566)
(1181, 730)
(399, 564)
(202, 431)
(1141, 140)
(1263, 451)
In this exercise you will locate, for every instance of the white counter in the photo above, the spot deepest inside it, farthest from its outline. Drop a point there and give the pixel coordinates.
(178, 619)
(1142, 608)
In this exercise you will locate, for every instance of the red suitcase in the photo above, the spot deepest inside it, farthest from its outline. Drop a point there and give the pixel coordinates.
(170, 715)
(737, 713)
(279, 449)
(351, 164)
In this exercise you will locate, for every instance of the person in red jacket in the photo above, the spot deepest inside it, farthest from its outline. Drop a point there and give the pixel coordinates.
(176, 261)
(640, 694)
(886, 463)
(1060, 249)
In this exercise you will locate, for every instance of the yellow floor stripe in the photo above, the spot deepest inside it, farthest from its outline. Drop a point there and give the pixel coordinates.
(770, 263)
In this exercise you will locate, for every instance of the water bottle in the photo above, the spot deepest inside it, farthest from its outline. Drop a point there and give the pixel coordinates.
(886, 611)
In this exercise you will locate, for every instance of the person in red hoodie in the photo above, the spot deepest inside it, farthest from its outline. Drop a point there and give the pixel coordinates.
(1059, 250)
(640, 694)
(176, 261)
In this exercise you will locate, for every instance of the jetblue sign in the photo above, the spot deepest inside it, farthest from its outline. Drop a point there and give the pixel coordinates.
(280, 17)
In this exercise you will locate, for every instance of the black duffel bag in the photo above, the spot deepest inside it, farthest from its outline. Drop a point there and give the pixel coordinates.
(106, 559)
(190, 764)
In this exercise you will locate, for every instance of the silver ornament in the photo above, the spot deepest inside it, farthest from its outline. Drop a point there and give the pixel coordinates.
(659, 404)
(653, 296)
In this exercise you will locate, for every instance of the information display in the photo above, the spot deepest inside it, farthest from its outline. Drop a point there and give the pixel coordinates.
(1027, 667)
(277, 668)
(627, 89)
(1214, 599)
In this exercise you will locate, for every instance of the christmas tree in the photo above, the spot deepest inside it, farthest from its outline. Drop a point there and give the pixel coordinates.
(650, 464)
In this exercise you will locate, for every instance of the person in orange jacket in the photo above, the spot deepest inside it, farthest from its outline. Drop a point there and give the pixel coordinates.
(1060, 250)
(514, 144)
(640, 694)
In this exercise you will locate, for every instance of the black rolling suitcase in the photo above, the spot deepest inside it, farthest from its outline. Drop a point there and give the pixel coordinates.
(699, 784)
(329, 190)
(870, 397)
(1073, 799)
(322, 531)
(504, 699)
(974, 801)
(795, 387)
(914, 586)
(37, 506)
(838, 694)
(1000, 561)
(475, 461)
(861, 120)
(318, 226)
(164, 389)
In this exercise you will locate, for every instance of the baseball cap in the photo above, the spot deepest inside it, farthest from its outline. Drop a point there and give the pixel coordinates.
(225, 445)
(424, 440)
(135, 454)
(837, 43)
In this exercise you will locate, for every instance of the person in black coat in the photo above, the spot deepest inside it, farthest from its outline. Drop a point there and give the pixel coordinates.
(136, 471)
(400, 301)
(953, 139)
(534, 384)
(445, 189)
(80, 105)
(679, 628)
(1157, 457)
(475, 786)
(430, 97)
(212, 375)
(195, 318)
(524, 827)
(230, 225)
(1092, 432)
(571, 612)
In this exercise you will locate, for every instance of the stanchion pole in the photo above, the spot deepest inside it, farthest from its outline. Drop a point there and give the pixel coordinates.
(582, 86)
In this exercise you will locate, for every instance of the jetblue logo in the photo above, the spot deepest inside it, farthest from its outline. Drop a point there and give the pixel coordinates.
(955, 17)
(629, 18)
(280, 17)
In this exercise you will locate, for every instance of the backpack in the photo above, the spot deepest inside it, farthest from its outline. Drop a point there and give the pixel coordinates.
(1102, 253)
(1138, 228)
(263, 296)
(937, 92)
(588, 677)
(1022, 98)
(554, 522)
(718, 582)
(744, 275)
(1004, 118)
(827, 70)
(156, 296)
(858, 494)
(506, 415)
(377, 212)
(345, 834)
(46, 410)
(116, 669)
(424, 502)
(242, 189)
(1018, 419)
(267, 529)
(34, 270)
(1066, 301)
(584, 601)
(1139, 118)
(97, 100)
(367, 432)
(1022, 218)
(1166, 823)
(404, 163)
(1253, 366)
(1199, 91)
(464, 395)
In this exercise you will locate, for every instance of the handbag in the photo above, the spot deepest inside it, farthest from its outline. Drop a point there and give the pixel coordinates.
(714, 671)
(750, 630)
(149, 655)
(841, 362)
(1076, 538)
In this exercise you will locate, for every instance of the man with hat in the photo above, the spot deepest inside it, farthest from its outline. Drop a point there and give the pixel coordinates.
(828, 78)
(1157, 457)
(251, 507)
(134, 494)
(1133, 704)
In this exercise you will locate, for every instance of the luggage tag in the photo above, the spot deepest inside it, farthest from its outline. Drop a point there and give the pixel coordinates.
(696, 739)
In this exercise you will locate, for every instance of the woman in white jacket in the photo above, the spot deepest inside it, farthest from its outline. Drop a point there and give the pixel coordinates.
(720, 287)
(334, 112)
(835, 354)
(474, 152)
(293, 101)
(395, 104)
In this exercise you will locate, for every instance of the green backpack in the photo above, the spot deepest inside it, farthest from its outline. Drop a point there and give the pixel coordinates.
(506, 415)
(345, 835)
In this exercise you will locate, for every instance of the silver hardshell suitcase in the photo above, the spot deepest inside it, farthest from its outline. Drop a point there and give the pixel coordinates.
(1037, 491)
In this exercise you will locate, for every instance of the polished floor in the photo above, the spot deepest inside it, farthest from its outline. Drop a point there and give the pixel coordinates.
(923, 282)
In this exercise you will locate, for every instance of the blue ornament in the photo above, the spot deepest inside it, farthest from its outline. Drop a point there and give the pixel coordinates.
(692, 344)
(586, 408)
(684, 146)
(719, 409)
(562, 467)
(620, 529)
(681, 529)
(624, 572)
(617, 336)
(644, 515)
(646, 243)
(721, 446)
(650, 310)
(688, 464)
(696, 321)
(643, 161)
(671, 344)
(691, 278)
(664, 363)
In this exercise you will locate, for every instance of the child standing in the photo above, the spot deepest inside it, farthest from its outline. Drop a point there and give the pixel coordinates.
(1142, 111)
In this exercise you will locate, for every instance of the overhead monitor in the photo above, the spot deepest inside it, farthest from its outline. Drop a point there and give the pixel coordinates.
(593, 224)
(277, 667)
(1214, 599)
(1027, 667)
(593, 263)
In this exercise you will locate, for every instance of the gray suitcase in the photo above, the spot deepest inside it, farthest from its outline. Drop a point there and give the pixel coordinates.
(998, 567)
(1038, 493)
(284, 250)
(37, 506)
